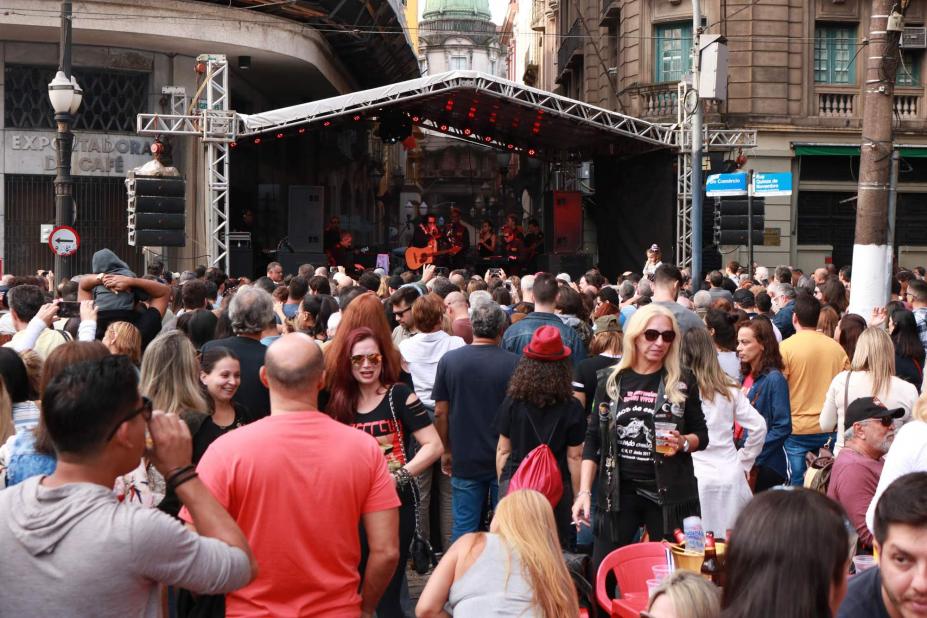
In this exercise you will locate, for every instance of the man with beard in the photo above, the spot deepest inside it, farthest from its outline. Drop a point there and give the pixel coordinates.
(856, 471)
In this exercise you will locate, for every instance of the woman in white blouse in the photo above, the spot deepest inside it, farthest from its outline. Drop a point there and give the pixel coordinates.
(722, 469)
(871, 374)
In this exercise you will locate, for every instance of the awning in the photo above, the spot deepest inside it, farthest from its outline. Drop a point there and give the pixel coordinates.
(911, 151)
(482, 108)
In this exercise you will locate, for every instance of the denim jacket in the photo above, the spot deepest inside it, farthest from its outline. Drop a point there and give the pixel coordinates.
(518, 335)
(770, 396)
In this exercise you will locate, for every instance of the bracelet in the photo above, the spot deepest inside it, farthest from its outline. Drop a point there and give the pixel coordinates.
(584, 492)
(402, 477)
(180, 475)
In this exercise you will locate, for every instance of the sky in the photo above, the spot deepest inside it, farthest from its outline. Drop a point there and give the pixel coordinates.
(497, 7)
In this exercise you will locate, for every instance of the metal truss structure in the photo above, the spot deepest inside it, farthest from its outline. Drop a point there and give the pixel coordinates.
(571, 127)
(216, 125)
(713, 140)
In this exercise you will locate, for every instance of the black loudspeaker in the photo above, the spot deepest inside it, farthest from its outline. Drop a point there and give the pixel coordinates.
(574, 265)
(241, 262)
(156, 210)
(305, 223)
(292, 261)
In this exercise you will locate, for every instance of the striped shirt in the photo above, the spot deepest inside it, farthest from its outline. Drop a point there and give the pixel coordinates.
(25, 415)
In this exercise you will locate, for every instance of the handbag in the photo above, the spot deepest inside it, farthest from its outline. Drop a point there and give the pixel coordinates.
(817, 475)
(420, 550)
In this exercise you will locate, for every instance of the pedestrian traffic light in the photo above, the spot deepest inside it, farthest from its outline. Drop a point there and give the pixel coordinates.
(732, 220)
(157, 210)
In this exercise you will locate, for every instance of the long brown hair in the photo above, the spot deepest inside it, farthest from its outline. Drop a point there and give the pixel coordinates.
(763, 332)
(524, 519)
(344, 393)
(365, 311)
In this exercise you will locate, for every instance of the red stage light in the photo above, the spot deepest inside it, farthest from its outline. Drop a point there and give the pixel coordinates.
(443, 127)
(302, 130)
(357, 117)
(532, 152)
(511, 146)
(327, 123)
(279, 135)
(415, 119)
(233, 144)
(467, 131)
(487, 139)
(257, 140)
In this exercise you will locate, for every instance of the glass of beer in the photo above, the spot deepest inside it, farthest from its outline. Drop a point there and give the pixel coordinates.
(663, 435)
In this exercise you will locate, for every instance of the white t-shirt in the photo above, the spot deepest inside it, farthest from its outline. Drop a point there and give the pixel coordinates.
(422, 353)
(908, 454)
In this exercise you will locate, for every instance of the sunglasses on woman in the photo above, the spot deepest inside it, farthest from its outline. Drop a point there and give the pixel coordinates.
(374, 359)
(652, 334)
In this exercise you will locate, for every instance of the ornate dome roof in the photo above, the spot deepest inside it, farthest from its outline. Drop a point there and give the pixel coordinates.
(473, 9)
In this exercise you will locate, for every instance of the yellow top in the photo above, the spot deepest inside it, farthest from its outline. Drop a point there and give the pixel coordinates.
(811, 360)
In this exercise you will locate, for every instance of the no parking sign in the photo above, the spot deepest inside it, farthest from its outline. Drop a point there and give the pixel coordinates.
(64, 241)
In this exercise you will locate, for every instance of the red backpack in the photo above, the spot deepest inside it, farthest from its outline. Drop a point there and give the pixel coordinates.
(539, 470)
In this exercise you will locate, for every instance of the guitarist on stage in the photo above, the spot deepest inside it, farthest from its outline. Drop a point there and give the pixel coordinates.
(427, 233)
(342, 254)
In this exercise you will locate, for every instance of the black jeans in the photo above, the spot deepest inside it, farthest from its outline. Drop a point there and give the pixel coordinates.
(635, 512)
(389, 606)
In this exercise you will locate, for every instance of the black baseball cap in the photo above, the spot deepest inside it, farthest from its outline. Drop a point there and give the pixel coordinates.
(866, 408)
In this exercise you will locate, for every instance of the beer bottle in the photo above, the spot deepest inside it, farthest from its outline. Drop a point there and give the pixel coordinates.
(711, 570)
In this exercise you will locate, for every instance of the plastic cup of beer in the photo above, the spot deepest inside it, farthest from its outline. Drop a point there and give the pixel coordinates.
(653, 584)
(664, 437)
(863, 562)
(661, 571)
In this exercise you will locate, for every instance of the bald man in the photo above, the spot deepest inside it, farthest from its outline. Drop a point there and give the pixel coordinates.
(299, 484)
(458, 309)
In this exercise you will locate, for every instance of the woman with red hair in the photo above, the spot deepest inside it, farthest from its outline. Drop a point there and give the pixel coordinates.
(365, 311)
(365, 392)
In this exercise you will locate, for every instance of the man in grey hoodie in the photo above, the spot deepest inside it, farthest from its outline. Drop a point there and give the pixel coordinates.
(71, 549)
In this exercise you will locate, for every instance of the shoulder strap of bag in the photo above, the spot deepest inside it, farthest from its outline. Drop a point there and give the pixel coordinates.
(846, 402)
(535, 429)
(392, 411)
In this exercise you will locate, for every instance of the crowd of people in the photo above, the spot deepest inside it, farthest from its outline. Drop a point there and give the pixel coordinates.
(190, 444)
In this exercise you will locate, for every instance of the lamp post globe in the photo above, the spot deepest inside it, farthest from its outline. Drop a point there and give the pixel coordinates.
(61, 93)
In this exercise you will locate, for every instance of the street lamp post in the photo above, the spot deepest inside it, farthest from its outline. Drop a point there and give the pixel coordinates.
(65, 96)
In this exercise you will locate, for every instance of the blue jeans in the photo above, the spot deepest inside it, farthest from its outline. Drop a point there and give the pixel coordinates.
(467, 499)
(795, 448)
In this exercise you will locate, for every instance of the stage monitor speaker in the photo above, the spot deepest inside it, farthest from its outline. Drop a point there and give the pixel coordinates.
(292, 261)
(305, 223)
(241, 262)
(563, 219)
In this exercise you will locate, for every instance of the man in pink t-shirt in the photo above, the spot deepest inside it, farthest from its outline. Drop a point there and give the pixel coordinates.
(299, 485)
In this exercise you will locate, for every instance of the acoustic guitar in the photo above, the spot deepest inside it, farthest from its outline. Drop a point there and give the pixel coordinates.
(417, 257)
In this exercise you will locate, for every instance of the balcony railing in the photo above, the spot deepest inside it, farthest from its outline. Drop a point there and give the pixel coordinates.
(659, 101)
(837, 104)
(570, 46)
(907, 106)
(848, 104)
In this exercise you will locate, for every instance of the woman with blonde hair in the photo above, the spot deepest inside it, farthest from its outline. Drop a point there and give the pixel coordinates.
(124, 338)
(642, 480)
(685, 594)
(516, 569)
(871, 374)
(722, 469)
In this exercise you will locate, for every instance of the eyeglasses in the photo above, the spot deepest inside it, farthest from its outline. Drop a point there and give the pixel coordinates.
(374, 359)
(401, 312)
(668, 335)
(145, 410)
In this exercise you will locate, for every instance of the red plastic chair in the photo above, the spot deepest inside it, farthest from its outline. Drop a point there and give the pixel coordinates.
(631, 565)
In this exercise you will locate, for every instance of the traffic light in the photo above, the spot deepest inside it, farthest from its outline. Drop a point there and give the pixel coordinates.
(731, 220)
(157, 210)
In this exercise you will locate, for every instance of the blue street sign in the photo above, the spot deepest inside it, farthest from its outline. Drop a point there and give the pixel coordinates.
(766, 184)
(719, 185)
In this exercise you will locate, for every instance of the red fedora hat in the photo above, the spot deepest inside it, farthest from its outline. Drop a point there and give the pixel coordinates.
(546, 345)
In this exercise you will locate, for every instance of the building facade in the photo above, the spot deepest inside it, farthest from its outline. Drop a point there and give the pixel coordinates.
(795, 75)
(124, 53)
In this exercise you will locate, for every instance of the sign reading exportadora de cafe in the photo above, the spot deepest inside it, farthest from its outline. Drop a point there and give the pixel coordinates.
(95, 154)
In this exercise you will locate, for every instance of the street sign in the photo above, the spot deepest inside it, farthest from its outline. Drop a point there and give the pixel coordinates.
(720, 185)
(766, 184)
(64, 241)
(45, 230)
